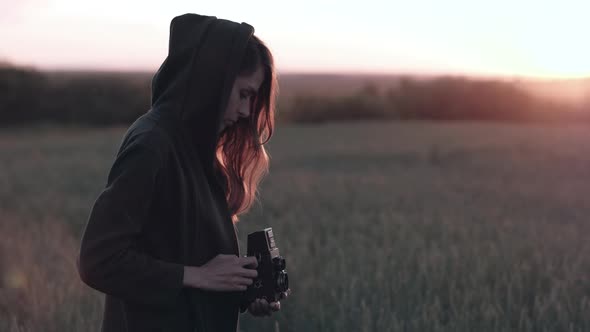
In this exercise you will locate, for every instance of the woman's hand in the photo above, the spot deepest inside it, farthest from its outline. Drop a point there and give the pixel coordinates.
(224, 273)
(261, 307)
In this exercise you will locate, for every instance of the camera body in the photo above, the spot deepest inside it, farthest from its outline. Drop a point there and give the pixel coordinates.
(272, 278)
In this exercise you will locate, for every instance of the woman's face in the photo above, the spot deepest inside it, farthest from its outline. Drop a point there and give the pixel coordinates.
(243, 92)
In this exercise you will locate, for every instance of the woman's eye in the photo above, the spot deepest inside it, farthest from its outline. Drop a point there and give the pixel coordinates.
(243, 96)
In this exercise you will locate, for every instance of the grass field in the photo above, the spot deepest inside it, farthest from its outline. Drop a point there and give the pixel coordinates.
(385, 226)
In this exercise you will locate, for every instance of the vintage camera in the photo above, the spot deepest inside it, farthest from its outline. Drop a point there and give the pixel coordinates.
(272, 278)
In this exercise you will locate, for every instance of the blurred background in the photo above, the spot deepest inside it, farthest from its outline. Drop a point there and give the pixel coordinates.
(429, 170)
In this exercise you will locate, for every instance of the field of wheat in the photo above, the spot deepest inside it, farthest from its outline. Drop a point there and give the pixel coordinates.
(385, 226)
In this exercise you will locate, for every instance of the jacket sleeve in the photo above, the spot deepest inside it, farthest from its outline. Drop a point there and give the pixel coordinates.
(108, 260)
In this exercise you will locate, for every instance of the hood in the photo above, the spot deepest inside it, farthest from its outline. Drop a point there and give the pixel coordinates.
(194, 82)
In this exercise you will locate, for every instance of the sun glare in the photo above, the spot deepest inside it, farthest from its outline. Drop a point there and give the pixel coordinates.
(552, 39)
(559, 57)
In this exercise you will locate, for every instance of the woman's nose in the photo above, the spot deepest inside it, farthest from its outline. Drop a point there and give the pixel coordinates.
(244, 111)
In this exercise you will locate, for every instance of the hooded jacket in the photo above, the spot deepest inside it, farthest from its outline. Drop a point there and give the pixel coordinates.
(163, 206)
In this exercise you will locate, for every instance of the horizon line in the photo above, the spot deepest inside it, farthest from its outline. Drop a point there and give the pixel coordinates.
(315, 72)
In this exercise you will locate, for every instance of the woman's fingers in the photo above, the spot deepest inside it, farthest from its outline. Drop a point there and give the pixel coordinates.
(255, 308)
(248, 273)
(224, 273)
(265, 307)
(275, 306)
(252, 308)
(235, 284)
(249, 261)
(286, 294)
(241, 281)
(261, 307)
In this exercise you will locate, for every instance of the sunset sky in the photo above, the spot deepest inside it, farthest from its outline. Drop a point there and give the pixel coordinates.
(502, 37)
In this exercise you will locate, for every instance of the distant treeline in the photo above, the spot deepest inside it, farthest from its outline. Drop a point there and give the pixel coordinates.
(29, 96)
(442, 98)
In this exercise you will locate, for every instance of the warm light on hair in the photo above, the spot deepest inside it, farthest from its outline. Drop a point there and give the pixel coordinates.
(241, 156)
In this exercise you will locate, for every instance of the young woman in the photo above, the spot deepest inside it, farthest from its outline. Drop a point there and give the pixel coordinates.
(161, 241)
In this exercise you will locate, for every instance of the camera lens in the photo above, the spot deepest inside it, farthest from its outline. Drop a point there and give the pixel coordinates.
(282, 282)
(279, 263)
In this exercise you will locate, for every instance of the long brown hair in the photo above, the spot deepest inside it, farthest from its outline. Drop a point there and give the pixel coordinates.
(241, 156)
